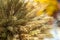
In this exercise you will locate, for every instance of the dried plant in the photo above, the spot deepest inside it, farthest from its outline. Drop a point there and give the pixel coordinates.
(18, 22)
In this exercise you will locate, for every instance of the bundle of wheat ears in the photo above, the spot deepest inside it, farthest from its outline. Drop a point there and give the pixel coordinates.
(19, 22)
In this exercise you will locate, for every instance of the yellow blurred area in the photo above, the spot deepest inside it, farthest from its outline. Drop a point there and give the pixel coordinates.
(52, 6)
(41, 1)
